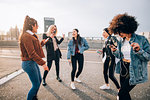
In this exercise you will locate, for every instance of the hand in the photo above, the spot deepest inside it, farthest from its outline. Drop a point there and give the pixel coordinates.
(113, 48)
(44, 41)
(63, 35)
(69, 60)
(45, 67)
(99, 51)
(78, 51)
(136, 46)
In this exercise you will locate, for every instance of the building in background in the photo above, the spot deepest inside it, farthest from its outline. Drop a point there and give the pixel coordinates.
(12, 34)
(47, 22)
(69, 35)
(146, 34)
(2, 35)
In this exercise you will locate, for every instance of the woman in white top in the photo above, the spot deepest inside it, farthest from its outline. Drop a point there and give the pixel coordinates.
(133, 52)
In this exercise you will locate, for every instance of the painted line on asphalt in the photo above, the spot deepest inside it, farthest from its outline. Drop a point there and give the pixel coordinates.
(11, 76)
(65, 60)
(9, 56)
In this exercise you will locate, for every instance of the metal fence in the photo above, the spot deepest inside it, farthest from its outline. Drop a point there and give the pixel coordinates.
(94, 43)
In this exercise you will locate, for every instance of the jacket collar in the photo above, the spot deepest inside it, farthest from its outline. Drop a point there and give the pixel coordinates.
(30, 32)
(133, 36)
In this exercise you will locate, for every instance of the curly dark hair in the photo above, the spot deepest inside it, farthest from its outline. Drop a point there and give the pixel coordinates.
(123, 23)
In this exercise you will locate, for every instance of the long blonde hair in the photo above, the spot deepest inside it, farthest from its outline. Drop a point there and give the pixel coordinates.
(28, 23)
(49, 30)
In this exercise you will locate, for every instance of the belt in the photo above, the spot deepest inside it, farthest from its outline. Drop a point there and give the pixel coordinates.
(126, 60)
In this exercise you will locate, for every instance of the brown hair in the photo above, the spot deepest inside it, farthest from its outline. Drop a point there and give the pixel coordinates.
(123, 23)
(28, 23)
(78, 38)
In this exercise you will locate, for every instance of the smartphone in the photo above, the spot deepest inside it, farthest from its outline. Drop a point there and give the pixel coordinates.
(46, 40)
(54, 31)
(99, 52)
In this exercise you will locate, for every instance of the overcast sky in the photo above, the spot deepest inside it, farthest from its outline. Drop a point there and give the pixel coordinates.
(89, 16)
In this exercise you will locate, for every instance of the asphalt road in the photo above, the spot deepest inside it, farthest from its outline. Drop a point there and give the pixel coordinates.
(91, 77)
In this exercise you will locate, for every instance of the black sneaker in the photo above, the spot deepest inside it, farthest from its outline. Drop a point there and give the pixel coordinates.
(44, 83)
(58, 78)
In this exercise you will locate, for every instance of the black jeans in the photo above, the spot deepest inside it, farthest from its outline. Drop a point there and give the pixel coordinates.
(49, 64)
(110, 65)
(124, 81)
(74, 59)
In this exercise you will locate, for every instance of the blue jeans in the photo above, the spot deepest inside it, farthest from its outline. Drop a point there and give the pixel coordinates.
(33, 71)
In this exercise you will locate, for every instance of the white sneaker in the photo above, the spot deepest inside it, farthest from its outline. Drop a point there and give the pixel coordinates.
(77, 80)
(117, 97)
(104, 87)
(72, 86)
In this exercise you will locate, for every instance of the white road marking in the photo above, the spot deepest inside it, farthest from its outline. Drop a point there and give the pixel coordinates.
(9, 56)
(65, 60)
(9, 77)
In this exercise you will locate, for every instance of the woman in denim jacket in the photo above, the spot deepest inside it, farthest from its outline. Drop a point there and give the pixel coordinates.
(76, 47)
(133, 52)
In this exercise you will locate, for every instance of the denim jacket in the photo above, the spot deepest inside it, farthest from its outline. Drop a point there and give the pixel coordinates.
(71, 48)
(139, 60)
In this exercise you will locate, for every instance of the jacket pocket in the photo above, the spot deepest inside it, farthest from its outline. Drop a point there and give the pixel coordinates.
(139, 72)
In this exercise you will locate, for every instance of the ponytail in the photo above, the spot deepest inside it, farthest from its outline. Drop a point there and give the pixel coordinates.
(28, 23)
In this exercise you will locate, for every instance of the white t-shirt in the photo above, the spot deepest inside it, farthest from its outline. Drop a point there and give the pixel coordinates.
(125, 49)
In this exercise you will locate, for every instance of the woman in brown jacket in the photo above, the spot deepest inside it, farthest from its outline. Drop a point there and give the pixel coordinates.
(31, 55)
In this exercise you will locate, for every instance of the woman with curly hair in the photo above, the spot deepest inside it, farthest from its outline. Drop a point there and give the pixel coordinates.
(133, 51)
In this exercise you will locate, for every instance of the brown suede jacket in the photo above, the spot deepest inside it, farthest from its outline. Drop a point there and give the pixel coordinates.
(31, 49)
